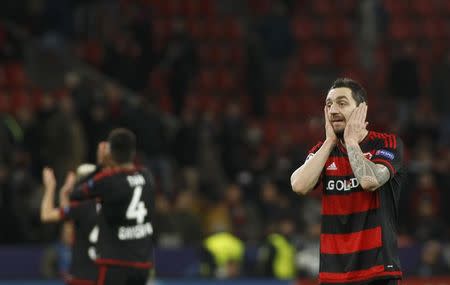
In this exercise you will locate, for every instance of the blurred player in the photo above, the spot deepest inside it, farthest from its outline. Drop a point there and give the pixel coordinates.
(361, 172)
(126, 196)
(80, 219)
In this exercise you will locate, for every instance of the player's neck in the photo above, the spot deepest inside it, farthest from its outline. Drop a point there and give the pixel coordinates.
(128, 165)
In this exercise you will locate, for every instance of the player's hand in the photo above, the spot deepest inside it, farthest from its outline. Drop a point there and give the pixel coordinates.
(48, 178)
(66, 189)
(355, 130)
(329, 132)
(102, 153)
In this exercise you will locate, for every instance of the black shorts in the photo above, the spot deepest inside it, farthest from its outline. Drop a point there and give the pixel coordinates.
(385, 282)
(116, 275)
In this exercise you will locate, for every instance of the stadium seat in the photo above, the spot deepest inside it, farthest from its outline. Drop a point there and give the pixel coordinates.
(93, 53)
(315, 55)
(259, 7)
(196, 28)
(233, 31)
(323, 8)
(304, 28)
(205, 80)
(396, 8)
(346, 55)
(158, 80)
(15, 75)
(3, 79)
(432, 29)
(424, 8)
(402, 29)
(337, 29)
(225, 79)
(191, 8)
(207, 8)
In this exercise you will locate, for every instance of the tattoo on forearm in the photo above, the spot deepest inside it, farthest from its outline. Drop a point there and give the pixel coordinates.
(366, 170)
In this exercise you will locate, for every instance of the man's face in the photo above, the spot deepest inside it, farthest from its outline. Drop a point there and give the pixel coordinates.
(340, 105)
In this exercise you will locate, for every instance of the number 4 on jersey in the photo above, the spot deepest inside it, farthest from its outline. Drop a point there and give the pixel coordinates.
(136, 209)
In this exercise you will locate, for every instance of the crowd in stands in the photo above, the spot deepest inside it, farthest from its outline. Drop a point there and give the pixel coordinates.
(227, 100)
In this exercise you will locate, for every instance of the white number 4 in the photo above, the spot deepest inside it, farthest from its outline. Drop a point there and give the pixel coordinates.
(136, 209)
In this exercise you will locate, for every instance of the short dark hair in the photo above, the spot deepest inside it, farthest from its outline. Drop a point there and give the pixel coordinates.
(358, 92)
(122, 144)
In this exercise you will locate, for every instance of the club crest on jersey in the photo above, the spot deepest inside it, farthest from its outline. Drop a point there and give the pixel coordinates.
(385, 153)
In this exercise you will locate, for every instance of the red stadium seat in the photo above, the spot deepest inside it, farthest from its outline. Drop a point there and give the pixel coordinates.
(93, 53)
(3, 78)
(158, 80)
(424, 8)
(323, 8)
(396, 8)
(233, 30)
(191, 8)
(205, 80)
(346, 7)
(433, 29)
(207, 8)
(304, 29)
(346, 55)
(225, 80)
(337, 29)
(402, 29)
(259, 7)
(15, 75)
(171, 8)
(214, 29)
(196, 28)
(315, 55)
(237, 54)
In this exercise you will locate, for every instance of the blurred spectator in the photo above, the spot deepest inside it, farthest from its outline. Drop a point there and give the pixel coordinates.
(440, 96)
(277, 42)
(426, 206)
(180, 58)
(62, 136)
(276, 257)
(432, 262)
(255, 77)
(145, 121)
(403, 80)
(246, 223)
(219, 263)
(232, 140)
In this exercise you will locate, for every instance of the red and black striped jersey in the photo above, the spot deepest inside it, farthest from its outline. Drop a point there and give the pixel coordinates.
(84, 218)
(125, 228)
(359, 228)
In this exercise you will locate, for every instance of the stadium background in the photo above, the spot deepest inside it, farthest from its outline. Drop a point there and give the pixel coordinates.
(225, 97)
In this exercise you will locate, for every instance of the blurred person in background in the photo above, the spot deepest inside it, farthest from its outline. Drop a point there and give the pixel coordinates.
(361, 173)
(80, 230)
(221, 256)
(125, 191)
(403, 81)
(180, 59)
(276, 257)
(432, 260)
(440, 96)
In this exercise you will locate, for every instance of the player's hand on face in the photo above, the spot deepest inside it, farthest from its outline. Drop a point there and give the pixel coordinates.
(329, 132)
(355, 130)
(48, 178)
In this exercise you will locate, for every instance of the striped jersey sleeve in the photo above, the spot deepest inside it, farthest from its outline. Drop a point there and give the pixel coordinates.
(389, 153)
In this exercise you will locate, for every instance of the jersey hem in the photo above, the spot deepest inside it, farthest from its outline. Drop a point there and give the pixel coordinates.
(124, 263)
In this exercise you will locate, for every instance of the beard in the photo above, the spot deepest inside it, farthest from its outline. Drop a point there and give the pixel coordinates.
(339, 133)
